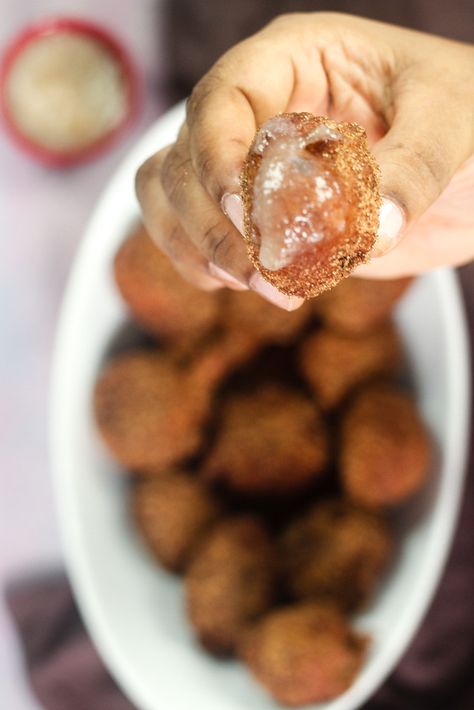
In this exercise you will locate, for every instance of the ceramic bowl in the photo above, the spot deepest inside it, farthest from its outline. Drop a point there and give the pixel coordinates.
(134, 610)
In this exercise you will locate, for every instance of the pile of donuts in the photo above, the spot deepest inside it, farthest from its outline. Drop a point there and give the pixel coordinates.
(270, 454)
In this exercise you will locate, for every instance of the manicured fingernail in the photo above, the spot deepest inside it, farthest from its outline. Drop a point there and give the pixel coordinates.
(270, 293)
(199, 278)
(233, 207)
(271, 255)
(391, 224)
(225, 277)
(209, 285)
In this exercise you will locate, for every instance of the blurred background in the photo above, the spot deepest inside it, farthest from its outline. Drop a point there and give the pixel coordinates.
(43, 212)
(42, 215)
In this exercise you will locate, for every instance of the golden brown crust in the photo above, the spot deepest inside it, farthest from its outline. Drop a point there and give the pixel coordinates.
(172, 512)
(230, 582)
(306, 653)
(358, 305)
(247, 312)
(385, 448)
(334, 364)
(326, 263)
(151, 408)
(273, 440)
(149, 411)
(160, 300)
(336, 551)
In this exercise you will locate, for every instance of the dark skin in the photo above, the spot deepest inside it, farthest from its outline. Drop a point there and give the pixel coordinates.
(409, 90)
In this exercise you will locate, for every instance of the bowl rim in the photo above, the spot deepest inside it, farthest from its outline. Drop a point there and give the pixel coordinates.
(72, 25)
(459, 387)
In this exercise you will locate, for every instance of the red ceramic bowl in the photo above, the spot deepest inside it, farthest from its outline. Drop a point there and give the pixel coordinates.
(130, 78)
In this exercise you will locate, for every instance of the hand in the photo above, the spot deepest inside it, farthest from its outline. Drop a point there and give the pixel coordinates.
(411, 91)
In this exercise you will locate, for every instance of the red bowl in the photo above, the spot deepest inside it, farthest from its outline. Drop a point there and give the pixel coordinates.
(130, 77)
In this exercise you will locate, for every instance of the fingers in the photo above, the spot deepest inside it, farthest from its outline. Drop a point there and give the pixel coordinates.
(217, 154)
(197, 181)
(165, 229)
(442, 236)
(209, 230)
(185, 223)
(249, 84)
(222, 115)
(419, 155)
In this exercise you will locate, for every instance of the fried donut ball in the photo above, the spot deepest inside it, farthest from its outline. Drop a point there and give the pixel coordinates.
(272, 440)
(333, 364)
(248, 312)
(336, 551)
(172, 512)
(311, 202)
(150, 411)
(302, 654)
(359, 305)
(158, 297)
(230, 582)
(385, 448)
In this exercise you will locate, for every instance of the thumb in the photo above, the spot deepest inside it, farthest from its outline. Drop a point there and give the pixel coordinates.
(418, 157)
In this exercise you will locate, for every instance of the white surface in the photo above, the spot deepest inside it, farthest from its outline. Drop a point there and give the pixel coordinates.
(134, 610)
(42, 217)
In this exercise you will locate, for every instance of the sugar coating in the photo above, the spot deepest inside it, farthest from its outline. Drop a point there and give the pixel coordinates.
(65, 91)
(311, 202)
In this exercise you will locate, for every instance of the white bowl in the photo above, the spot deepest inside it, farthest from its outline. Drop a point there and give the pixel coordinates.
(133, 610)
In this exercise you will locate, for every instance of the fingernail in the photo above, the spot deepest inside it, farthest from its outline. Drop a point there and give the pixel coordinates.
(391, 223)
(271, 255)
(233, 208)
(209, 285)
(199, 278)
(227, 278)
(270, 293)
